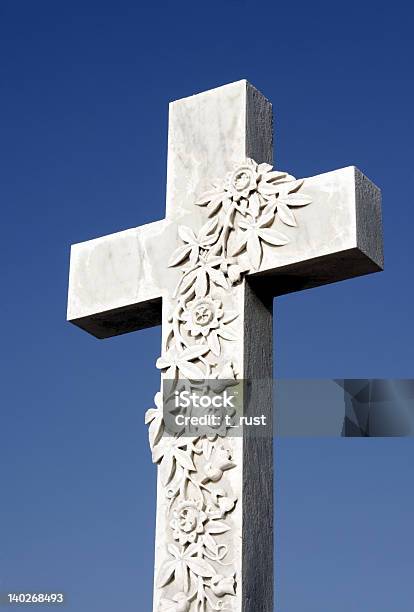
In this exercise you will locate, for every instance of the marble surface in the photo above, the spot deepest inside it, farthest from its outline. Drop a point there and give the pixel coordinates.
(126, 276)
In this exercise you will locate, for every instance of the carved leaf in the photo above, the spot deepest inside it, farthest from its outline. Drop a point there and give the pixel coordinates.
(208, 197)
(296, 199)
(186, 234)
(150, 415)
(214, 343)
(286, 215)
(254, 249)
(239, 244)
(254, 204)
(200, 567)
(208, 228)
(166, 573)
(210, 543)
(274, 176)
(218, 278)
(187, 281)
(167, 468)
(273, 237)
(230, 316)
(226, 334)
(217, 527)
(262, 168)
(201, 284)
(173, 550)
(194, 352)
(184, 459)
(268, 189)
(179, 255)
(155, 431)
(213, 207)
(190, 370)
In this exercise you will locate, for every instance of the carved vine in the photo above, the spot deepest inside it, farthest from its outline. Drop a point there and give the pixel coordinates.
(242, 213)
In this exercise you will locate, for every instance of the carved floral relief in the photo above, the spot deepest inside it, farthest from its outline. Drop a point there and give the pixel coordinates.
(198, 572)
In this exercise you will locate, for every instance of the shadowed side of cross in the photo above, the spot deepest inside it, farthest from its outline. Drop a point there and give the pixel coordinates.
(236, 234)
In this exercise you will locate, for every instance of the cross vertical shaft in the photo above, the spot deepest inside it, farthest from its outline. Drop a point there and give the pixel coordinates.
(208, 134)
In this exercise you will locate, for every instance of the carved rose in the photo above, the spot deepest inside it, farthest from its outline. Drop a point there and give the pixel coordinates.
(188, 521)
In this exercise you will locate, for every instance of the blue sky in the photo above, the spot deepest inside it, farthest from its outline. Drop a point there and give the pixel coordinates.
(84, 94)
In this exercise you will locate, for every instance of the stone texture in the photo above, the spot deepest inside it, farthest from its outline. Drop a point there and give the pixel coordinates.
(122, 283)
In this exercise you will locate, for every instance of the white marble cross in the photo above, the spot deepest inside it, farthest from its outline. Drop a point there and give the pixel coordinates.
(236, 234)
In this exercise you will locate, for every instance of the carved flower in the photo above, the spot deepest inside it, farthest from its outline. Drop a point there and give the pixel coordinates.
(221, 585)
(221, 462)
(249, 187)
(202, 315)
(205, 317)
(188, 521)
(240, 183)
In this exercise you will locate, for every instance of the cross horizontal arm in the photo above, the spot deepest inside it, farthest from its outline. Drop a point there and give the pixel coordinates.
(116, 282)
(339, 235)
(114, 287)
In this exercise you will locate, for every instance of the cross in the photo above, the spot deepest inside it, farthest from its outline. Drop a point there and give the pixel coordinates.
(236, 234)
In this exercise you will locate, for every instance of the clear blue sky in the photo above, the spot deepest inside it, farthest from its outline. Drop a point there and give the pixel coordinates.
(84, 93)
